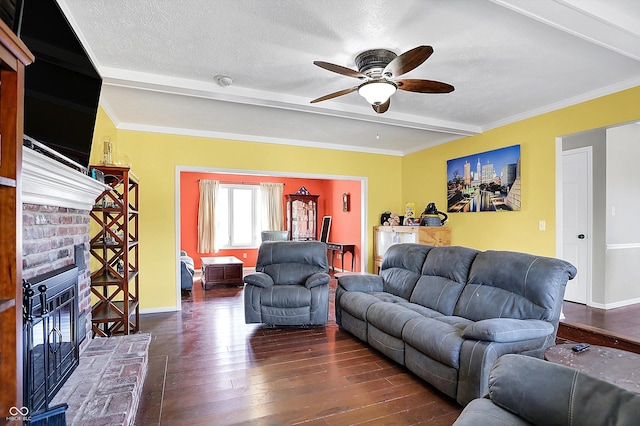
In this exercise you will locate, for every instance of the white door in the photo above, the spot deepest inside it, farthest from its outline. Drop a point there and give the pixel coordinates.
(576, 209)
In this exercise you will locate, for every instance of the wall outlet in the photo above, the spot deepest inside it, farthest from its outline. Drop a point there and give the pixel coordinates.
(244, 255)
(542, 225)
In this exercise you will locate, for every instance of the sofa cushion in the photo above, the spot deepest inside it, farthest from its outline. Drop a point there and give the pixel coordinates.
(444, 274)
(458, 322)
(507, 330)
(399, 282)
(390, 317)
(388, 297)
(422, 310)
(405, 256)
(436, 339)
(513, 285)
(401, 267)
(286, 296)
(290, 273)
(303, 252)
(357, 303)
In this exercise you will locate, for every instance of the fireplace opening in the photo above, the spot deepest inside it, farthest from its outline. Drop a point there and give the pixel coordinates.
(51, 344)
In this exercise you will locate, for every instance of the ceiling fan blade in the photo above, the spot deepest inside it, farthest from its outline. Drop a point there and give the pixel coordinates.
(340, 69)
(335, 94)
(382, 108)
(424, 86)
(407, 61)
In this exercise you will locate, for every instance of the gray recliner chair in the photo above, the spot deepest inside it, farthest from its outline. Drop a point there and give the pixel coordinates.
(290, 285)
(525, 391)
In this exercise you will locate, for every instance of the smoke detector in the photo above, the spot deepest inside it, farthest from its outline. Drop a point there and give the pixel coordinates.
(223, 80)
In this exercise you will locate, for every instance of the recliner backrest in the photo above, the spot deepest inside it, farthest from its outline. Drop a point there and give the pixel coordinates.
(504, 284)
(443, 277)
(401, 267)
(292, 262)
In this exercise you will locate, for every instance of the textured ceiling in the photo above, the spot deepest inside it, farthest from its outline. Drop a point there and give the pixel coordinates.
(508, 60)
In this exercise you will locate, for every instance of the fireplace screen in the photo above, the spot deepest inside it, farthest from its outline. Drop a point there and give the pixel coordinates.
(50, 339)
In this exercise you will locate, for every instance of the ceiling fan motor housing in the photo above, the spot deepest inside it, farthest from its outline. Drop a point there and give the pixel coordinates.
(372, 62)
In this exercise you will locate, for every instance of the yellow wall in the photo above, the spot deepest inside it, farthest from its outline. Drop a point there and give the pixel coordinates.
(392, 181)
(424, 174)
(154, 158)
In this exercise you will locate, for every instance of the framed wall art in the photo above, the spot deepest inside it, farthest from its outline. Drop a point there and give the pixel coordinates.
(488, 181)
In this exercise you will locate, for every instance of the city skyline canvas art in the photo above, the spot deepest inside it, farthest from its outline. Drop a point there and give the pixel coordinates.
(487, 181)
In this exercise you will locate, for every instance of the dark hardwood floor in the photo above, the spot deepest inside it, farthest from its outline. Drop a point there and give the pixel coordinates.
(207, 367)
(617, 328)
(623, 321)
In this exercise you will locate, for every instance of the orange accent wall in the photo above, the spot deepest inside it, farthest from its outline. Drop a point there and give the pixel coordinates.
(345, 226)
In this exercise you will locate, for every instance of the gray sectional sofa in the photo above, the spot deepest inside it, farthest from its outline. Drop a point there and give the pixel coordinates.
(447, 313)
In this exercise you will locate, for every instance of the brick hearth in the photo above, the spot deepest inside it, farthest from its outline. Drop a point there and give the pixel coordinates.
(105, 388)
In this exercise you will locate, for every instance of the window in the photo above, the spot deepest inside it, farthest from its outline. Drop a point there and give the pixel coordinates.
(238, 219)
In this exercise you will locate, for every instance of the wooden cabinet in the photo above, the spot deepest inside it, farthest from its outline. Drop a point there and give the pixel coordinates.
(302, 215)
(221, 270)
(14, 55)
(385, 236)
(114, 251)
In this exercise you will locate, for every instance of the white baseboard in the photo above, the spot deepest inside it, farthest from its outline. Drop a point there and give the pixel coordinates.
(158, 310)
(614, 305)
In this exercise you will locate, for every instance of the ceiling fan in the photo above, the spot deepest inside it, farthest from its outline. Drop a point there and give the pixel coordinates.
(379, 69)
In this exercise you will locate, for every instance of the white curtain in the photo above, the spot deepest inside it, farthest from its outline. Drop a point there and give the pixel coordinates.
(206, 216)
(272, 215)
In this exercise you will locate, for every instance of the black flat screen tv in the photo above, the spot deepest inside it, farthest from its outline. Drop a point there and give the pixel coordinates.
(62, 87)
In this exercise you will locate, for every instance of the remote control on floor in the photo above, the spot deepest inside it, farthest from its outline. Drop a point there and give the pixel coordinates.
(580, 347)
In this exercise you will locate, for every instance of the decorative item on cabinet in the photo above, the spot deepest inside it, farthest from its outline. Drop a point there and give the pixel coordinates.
(390, 219)
(114, 246)
(385, 236)
(410, 215)
(302, 215)
(431, 216)
(107, 152)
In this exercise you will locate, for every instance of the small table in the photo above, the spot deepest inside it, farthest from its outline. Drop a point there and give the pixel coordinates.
(615, 366)
(221, 270)
(342, 249)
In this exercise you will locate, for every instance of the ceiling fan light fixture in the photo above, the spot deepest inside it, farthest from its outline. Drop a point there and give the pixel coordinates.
(377, 92)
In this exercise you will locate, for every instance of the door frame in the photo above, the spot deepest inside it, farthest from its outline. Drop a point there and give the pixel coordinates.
(560, 206)
(364, 256)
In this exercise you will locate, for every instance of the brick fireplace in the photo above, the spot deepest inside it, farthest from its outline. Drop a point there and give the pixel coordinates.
(56, 204)
(106, 386)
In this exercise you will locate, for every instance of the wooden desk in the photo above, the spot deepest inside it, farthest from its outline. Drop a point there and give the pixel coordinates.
(342, 249)
(221, 270)
(615, 366)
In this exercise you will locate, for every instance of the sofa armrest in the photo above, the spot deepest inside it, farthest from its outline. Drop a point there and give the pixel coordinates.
(482, 411)
(259, 279)
(504, 330)
(542, 392)
(361, 282)
(319, 278)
